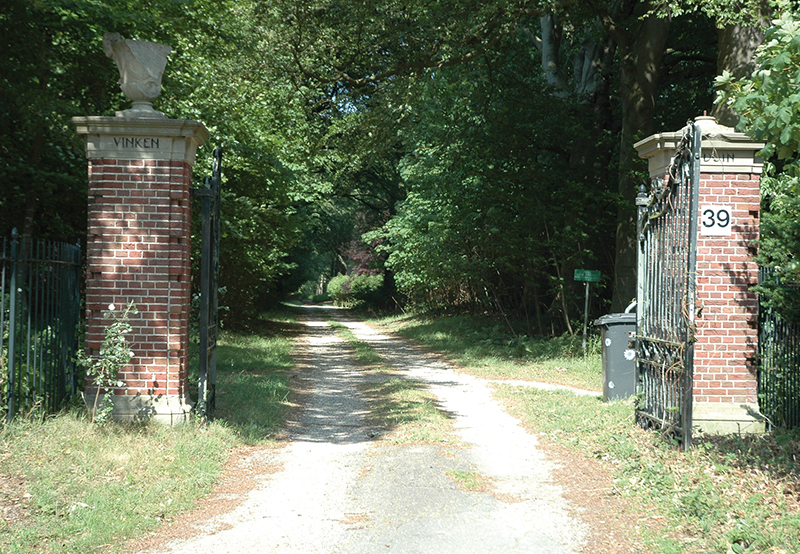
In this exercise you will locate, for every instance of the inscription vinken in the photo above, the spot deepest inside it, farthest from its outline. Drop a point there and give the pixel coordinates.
(128, 142)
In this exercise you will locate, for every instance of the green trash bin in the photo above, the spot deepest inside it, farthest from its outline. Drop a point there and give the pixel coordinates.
(619, 357)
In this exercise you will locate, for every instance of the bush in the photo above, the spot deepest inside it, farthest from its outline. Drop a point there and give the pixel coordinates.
(339, 289)
(355, 291)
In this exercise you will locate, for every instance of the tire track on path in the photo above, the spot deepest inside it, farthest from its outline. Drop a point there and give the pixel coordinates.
(340, 491)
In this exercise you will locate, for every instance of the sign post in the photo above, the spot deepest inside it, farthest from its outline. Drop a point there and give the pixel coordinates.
(587, 276)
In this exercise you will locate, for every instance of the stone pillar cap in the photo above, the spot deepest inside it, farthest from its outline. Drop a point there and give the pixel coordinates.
(140, 138)
(724, 150)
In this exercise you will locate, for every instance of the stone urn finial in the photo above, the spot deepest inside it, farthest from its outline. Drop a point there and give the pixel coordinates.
(141, 65)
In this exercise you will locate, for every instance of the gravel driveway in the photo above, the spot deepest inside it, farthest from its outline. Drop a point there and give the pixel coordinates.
(338, 489)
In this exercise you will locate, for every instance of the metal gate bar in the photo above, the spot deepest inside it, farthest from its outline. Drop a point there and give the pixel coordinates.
(666, 282)
(210, 194)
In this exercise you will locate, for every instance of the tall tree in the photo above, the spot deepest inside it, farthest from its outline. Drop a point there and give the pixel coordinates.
(640, 37)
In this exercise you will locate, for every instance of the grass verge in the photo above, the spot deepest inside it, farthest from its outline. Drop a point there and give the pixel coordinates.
(253, 384)
(67, 486)
(487, 349)
(730, 494)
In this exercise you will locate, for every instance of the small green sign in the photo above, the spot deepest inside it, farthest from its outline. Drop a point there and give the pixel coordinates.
(588, 275)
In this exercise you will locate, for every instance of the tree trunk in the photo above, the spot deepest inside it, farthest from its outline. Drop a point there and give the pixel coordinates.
(590, 87)
(640, 49)
(737, 45)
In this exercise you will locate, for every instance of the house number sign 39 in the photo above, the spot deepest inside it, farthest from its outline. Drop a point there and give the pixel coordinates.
(716, 220)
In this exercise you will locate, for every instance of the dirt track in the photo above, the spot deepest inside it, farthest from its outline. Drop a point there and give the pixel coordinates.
(336, 487)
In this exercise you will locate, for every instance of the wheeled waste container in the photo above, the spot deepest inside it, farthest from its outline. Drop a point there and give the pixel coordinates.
(619, 357)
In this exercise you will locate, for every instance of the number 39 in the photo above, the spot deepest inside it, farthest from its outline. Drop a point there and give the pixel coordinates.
(716, 218)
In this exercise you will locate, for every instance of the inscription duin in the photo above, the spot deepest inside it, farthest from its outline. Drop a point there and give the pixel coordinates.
(137, 142)
(724, 157)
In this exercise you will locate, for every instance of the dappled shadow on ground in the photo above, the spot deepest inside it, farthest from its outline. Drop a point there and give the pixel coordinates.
(274, 323)
(332, 386)
(481, 337)
(758, 459)
(331, 408)
(252, 382)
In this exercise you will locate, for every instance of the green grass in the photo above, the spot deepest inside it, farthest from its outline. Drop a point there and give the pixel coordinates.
(364, 353)
(728, 494)
(86, 488)
(252, 384)
(407, 412)
(487, 349)
(468, 480)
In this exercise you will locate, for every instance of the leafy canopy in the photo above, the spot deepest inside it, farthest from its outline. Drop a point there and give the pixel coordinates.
(767, 104)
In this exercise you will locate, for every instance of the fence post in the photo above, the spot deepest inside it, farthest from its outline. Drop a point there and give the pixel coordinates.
(12, 320)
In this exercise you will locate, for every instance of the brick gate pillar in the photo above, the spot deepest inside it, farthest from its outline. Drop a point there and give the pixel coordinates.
(138, 249)
(725, 376)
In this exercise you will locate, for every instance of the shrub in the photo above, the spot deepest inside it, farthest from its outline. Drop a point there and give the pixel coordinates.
(103, 369)
(339, 289)
(355, 291)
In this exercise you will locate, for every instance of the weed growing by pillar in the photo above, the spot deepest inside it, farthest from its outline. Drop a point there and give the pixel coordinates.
(103, 369)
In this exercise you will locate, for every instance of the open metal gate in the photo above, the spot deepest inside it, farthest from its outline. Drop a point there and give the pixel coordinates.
(209, 289)
(666, 281)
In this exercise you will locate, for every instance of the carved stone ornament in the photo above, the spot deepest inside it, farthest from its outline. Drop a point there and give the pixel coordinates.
(141, 65)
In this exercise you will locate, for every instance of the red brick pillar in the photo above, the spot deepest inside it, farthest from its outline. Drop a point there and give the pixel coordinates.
(138, 249)
(725, 377)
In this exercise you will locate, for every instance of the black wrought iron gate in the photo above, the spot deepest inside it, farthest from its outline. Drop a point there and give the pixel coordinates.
(209, 289)
(667, 260)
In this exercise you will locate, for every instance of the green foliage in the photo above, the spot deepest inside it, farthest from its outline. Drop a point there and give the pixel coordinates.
(726, 12)
(49, 74)
(431, 128)
(56, 68)
(767, 105)
(103, 369)
(494, 211)
(356, 291)
(766, 102)
(779, 246)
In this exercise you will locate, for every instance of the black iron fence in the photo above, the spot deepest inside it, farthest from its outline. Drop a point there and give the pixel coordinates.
(39, 315)
(779, 367)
